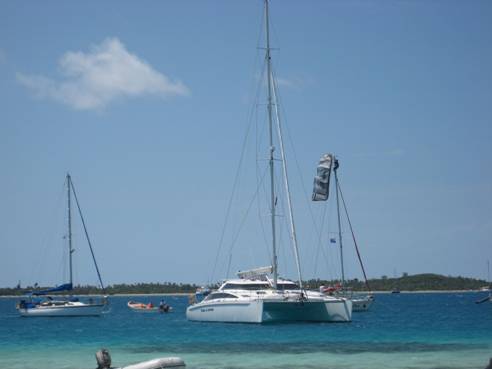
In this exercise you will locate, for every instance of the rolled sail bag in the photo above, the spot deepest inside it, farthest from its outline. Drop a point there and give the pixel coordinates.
(322, 179)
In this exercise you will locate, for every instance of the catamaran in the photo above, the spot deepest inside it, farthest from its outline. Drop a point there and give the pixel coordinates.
(43, 303)
(259, 295)
(255, 297)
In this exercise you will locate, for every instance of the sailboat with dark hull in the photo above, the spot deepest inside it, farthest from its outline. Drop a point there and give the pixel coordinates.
(49, 302)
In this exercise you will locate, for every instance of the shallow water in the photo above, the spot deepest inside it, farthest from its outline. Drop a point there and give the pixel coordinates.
(431, 330)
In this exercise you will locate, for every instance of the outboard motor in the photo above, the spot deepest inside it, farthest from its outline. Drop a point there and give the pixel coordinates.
(103, 359)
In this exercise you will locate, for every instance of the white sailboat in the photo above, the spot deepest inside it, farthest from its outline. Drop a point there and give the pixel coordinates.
(487, 288)
(329, 163)
(259, 296)
(43, 303)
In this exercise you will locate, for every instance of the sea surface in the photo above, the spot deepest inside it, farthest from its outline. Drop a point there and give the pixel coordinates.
(421, 330)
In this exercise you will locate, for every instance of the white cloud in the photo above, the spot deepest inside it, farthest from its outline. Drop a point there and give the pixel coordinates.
(107, 72)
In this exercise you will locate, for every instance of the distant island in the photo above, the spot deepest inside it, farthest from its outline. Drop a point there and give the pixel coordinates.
(417, 282)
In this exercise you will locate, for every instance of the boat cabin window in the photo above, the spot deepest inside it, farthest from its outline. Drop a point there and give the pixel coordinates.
(287, 286)
(219, 295)
(246, 286)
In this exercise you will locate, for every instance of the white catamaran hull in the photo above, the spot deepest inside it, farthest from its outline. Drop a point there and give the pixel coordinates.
(265, 311)
(66, 310)
(222, 311)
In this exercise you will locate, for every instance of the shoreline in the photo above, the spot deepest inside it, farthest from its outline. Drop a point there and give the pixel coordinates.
(188, 293)
(116, 294)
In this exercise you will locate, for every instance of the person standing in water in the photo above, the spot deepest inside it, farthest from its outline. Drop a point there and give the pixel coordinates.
(163, 307)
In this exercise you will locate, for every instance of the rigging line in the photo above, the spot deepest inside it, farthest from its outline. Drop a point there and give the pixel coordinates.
(320, 239)
(235, 184)
(286, 183)
(258, 141)
(317, 229)
(280, 213)
(229, 266)
(353, 235)
(330, 249)
(243, 149)
(328, 260)
(339, 224)
(62, 267)
(87, 236)
(282, 225)
(243, 221)
(47, 240)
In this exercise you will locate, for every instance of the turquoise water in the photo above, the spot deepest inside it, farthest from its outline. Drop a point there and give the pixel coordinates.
(402, 331)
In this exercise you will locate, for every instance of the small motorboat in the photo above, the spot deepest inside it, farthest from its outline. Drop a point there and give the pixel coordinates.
(149, 308)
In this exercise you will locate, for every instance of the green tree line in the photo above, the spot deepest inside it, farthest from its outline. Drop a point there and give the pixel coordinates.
(418, 282)
(123, 288)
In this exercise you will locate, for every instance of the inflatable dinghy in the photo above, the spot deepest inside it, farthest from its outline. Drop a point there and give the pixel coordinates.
(142, 308)
(104, 362)
(148, 308)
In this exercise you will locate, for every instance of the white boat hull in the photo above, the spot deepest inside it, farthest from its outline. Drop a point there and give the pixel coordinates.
(361, 304)
(267, 311)
(223, 311)
(65, 310)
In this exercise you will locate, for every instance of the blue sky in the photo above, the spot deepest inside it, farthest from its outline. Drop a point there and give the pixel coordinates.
(147, 104)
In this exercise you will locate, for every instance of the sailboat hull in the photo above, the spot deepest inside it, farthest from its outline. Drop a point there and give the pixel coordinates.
(64, 310)
(232, 312)
(339, 310)
(361, 304)
(270, 311)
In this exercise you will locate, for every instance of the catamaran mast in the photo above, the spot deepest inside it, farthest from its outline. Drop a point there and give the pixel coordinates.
(287, 191)
(339, 225)
(70, 250)
(272, 147)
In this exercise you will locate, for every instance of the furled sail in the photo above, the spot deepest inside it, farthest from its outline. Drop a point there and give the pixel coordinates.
(322, 179)
(63, 287)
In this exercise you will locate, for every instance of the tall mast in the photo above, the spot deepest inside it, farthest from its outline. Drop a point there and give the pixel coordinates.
(70, 250)
(287, 190)
(488, 271)
(272, 147)
(339, 225)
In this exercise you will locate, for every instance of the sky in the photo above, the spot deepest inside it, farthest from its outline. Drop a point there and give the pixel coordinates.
(147, 104)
